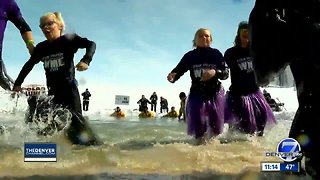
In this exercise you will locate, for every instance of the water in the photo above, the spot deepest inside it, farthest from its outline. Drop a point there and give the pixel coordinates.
(139, 149)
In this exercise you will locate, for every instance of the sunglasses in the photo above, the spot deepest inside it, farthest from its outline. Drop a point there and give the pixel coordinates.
(46, 24)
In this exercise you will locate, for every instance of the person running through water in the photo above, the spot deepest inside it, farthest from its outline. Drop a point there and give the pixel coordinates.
(288, 33)
(204, 108)
(85, 102)
(246, 108)
(10, 11)
(57, 54)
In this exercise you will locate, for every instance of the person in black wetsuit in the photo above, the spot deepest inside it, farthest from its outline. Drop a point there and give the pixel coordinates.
(246, 108)
(57, 53)
(288, 33)
(86, 97)
(9, 10)
(163, 105)
(154, 100)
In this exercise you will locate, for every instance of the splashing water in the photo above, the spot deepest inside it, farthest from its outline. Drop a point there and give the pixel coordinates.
(156, 148)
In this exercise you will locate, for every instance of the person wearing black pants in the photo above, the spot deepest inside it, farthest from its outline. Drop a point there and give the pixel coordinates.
(154, 100)
(85, 102)
(57, 53)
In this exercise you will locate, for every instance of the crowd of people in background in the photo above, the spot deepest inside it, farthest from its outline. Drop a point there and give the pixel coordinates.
(143, 106)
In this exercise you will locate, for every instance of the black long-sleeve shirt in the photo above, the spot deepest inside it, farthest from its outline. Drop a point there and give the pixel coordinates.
(57, 57)
(198, 60)
(243, 79)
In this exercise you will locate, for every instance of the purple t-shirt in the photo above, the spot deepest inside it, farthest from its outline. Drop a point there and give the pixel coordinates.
(9, 10)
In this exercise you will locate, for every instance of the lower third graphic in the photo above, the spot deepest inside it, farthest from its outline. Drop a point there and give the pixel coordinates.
(40, 152)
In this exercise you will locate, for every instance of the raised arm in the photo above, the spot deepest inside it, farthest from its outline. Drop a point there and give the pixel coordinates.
(15, 16)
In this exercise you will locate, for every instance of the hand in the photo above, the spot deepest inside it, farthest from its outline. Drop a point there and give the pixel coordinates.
(208, 74)
(17, 89)
(171, 77)
(81, 66)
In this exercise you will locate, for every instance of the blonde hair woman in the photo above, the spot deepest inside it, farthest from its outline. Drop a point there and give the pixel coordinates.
(205, 103)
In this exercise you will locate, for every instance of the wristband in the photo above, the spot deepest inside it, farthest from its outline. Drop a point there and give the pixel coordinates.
(29, 42)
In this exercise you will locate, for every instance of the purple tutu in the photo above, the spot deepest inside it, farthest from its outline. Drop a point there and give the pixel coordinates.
(205, 115)
(249, 114)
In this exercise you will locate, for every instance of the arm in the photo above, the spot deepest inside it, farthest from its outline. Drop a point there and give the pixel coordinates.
(27, 68)
(15, 16)
(179, 70)
(222, 71)
(90, 47)
(271, 44)
(24, 72)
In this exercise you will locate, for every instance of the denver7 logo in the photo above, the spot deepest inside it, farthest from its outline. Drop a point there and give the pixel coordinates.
(289, 149)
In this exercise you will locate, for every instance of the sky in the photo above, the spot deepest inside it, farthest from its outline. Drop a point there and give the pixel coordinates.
(138, 41)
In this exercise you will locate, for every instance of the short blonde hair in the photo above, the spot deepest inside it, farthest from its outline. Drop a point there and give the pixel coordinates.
(197, 34)
(57, 18)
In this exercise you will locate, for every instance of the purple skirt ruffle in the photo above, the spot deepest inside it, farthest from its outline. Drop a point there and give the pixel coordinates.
(205, 115)
(249, 114)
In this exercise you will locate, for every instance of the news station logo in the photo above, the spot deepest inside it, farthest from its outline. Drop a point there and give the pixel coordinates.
(40, 152)
(288, 150)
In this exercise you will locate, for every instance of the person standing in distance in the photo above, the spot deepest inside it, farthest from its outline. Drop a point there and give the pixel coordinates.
(85, 100)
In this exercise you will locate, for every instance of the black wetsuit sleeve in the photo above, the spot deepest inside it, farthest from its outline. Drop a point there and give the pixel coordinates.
(27, 67)
(90, 47)
(15, 16)
(24, 72)
(181, 68)
(21, 24)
